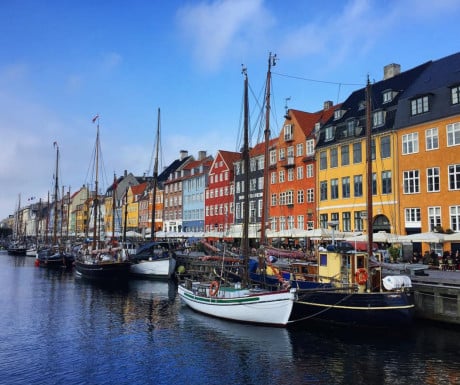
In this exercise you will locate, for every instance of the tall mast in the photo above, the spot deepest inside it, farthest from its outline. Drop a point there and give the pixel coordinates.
(96, 186)
(155, 178)
(370, 214)
(56, 187)
(264, 217)
(114, 190)
(245, 235)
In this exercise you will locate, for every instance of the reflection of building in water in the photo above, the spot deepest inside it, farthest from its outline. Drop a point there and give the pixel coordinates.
(152, 302)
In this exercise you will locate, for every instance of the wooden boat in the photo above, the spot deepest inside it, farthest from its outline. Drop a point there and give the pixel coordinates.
(359, 296)
(106, 264)
(239, 301)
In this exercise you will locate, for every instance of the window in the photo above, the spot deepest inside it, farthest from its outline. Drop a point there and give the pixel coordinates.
(454, 177)
(323, 219)
(386, 182)
(300, 222)
(358, 185)
(345, 152)
(411, 182)
(374, 183)
(455, 218)
(288, 132)
(272, 157)
(433, 179)
(334, 157)
(410, 143)
(290, 174)
(431, 139)
(419, 105)
(290, 197)
(310, 173)
(385, 147)
(434, 217)
(453, 134)
(323, 160)
(323, 190)
(373, 155)
(387, 96)
(273, 177)
(334, 188)
(261, 162)
(350, 128)
(282, 153)
(357, 153)
(273, 200)
(329, 133)
(346, 221)
(300, 196)
(346, 187)
(310, 147)
(455, 95)
(282, 176)
(299, 149)
(378, 118)
(358, 219)
(412, 216)
(310, 195)
(300, 172)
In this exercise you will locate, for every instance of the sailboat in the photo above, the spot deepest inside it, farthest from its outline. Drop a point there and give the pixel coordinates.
(359, 296)
(155, 259)
(54, 256)
(239, 301)
(101, 264)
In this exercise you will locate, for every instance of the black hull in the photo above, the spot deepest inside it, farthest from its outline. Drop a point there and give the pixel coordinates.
(372, 310)
(104, 271)
(19, 252)
(56, 263)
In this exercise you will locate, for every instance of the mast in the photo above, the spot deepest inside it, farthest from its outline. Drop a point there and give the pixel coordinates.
(264, 217)
(155, 178)
(245, 154)
(47, 218)
(56, 189)
(370, 229)
(114, 188)
(96, 185)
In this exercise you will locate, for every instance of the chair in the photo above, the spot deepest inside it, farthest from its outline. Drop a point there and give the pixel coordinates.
(450, 264)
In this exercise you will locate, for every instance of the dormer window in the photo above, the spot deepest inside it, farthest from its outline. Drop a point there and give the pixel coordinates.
(419, 105)
(388, 96)
(378, 118)
(338, 114)
(362, 105)
(317, 126)
(329, 133)
(455, 94)
(350, 128)
(288, 132)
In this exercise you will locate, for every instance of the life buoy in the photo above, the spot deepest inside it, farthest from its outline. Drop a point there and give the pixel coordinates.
(214, 288)
(361, 276)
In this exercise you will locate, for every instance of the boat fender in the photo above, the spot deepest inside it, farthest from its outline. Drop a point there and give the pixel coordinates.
(214, 288)
(361, 276)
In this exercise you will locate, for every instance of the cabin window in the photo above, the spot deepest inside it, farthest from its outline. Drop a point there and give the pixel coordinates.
(323, 259)
(360, 262)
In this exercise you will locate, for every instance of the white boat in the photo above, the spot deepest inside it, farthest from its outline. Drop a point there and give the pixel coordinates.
(239, 304)
(153, 260)
(238, 301)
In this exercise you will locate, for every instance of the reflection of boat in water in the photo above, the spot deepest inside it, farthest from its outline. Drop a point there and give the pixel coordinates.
(268, 341)
(149, 289)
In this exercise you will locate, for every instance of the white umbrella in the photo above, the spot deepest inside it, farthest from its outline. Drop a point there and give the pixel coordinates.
(452, 237)
(428, 237)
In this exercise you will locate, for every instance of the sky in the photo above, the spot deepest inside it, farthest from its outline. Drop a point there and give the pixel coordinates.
(63, 62)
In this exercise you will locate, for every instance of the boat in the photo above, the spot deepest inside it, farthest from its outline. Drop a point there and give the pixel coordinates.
(233, 300)
(54, 256)
(155, 259)
(109, 263)
(17, 249)
(360, 295)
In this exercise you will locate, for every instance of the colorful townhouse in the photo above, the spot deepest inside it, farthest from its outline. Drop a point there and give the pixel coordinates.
(341, 157)
(428, 152)
(292, 179)
(194, 186)
(219, 194)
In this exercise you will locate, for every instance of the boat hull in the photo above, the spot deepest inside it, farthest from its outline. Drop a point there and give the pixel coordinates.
(157, 268)
(103, 271)
(380, 309)
(268, 308)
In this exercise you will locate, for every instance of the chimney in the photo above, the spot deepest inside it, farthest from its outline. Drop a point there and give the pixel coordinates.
(183, 154)
(201, 155)
(126, 173)
(327, 104)
(391, 70)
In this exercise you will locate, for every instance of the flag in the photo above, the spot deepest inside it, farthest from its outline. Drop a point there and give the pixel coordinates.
(96, 118)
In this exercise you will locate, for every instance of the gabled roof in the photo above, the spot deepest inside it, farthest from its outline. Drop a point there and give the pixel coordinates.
(307, 120)
(229, 157)
(259, 148)
(139, 188)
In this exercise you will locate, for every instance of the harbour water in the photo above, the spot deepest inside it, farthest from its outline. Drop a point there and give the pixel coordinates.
(56, 328)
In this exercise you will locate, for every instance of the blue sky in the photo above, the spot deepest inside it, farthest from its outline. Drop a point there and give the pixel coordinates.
(63, 62)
